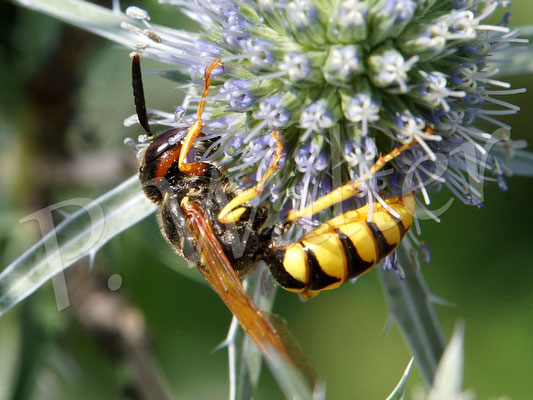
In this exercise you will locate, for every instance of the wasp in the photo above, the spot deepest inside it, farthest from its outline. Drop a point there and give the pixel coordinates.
(206, 230)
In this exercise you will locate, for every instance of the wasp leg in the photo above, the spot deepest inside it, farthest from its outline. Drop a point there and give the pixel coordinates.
(174, 228)
(350, 189)
(196, 168)
(231, 211)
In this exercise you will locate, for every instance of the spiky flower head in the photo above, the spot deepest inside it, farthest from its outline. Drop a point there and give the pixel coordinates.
(343, 81)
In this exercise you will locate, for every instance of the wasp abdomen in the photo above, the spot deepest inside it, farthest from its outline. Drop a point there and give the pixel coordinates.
(344, 247)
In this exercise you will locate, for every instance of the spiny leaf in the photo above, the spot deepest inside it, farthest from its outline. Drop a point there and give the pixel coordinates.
(78, 236)
(245, 359)
(93, 18)
(409, 302)
(399, 391)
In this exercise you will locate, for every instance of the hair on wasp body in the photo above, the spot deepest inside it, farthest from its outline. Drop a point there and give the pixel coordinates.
(336, 251)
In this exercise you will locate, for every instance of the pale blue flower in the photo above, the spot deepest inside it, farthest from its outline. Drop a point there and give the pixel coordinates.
(343, 82)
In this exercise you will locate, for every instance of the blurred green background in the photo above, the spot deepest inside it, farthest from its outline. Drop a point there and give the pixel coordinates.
(64, 94)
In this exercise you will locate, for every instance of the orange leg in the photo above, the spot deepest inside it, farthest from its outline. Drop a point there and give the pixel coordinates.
(230, 212)
(196, 168)
(350, 189)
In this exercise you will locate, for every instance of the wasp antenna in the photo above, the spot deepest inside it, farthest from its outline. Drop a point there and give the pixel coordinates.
(138, 93)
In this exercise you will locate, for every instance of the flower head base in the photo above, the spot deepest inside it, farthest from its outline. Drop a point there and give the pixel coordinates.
(343, 81)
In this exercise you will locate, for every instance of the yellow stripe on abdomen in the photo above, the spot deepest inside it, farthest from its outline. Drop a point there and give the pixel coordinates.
(295, 264)
(331, 261)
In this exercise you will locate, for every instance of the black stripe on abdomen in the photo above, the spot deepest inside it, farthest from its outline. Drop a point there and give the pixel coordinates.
(318, 279)
(384, 247)
(356, 265)
(401, 228)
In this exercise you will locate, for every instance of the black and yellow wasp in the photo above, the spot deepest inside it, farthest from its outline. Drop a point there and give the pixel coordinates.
(206, 229)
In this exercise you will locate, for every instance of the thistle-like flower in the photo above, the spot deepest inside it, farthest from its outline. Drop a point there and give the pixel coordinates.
(343, 81)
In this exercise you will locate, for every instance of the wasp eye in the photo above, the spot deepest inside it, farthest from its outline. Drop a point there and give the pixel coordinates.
(162, 143)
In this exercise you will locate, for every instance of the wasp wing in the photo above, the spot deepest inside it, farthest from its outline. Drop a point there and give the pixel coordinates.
(217, 270)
